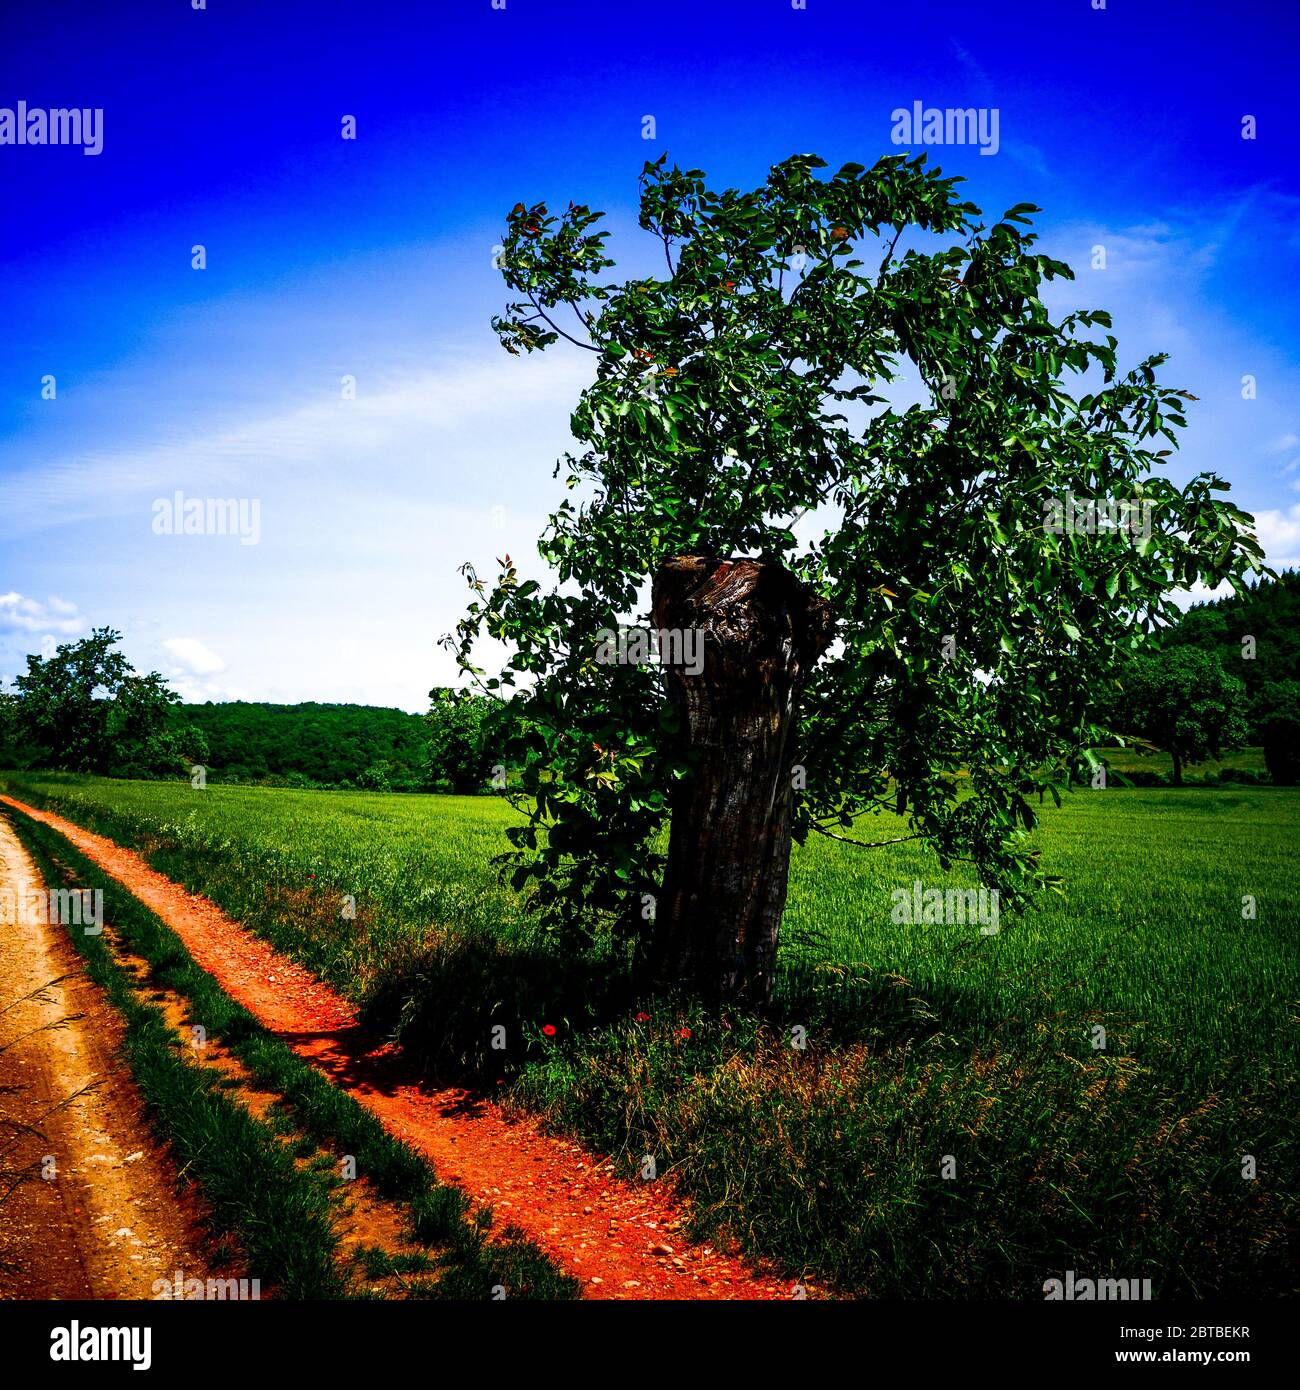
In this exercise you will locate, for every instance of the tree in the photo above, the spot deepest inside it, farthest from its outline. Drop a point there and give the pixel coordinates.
(1277, 717)
(372, 779)
(1256, 633)
(86, 709)
(168, 753)
(12, 751)
(933, 649)
(1183, 701)
(458, 740)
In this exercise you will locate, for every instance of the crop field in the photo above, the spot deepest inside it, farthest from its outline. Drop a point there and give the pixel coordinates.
(1150, 876)
(1105, 1082)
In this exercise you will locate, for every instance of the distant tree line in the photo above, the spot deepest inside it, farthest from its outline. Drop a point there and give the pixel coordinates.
(85, 709)
(341, 745)
(1226, 675)
(311, 745)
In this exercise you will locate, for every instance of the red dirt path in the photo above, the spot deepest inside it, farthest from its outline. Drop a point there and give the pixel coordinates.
(608, 1232)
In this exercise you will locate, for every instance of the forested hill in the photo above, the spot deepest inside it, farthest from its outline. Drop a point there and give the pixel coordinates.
(1269, 612)
(325, 744)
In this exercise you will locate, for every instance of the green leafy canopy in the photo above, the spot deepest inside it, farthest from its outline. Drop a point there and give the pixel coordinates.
(857, 356)
(86, 709)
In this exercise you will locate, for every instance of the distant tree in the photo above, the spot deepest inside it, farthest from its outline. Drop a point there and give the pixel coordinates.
(168, 753)
(458, 740)
(1277, 719)
(1255, 632)
(85, 709)
(12, 751)
(1202, 626)
(373, 778)
(1183, 701)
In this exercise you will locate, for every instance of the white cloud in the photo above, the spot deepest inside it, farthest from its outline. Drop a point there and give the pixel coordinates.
(199, 692)
(192, 656)
(1279, 534)
(56, 615)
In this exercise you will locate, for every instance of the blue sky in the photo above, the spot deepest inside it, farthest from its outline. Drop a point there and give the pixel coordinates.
(371, 258)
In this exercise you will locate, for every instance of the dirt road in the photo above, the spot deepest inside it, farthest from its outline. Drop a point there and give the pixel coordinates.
(622, 1239)
(97, 1216)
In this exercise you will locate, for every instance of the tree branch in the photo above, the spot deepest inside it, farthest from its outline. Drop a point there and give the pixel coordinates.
(863, 844)
(541, 313)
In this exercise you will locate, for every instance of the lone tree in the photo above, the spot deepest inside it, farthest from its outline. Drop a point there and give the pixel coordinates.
(830, 438)
(86, 709)
(1182, 700)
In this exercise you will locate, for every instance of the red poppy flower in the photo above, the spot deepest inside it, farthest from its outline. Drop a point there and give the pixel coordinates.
(685, 1032)
(643, 1018)
(548, 1029)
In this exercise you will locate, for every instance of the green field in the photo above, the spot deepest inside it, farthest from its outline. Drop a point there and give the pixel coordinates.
(930, 1048)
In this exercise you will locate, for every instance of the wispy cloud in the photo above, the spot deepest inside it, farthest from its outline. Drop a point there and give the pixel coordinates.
(1030, 156)
(55, 615)
(395, 427)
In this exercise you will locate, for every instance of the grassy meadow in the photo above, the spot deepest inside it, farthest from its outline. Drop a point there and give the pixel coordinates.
(928, 1110)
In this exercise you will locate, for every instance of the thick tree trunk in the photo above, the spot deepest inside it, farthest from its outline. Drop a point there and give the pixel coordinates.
(724, 889)
(1178, 768)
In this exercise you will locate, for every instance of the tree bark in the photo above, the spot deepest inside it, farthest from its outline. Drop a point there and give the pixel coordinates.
(719, 914)
(1178, 767)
